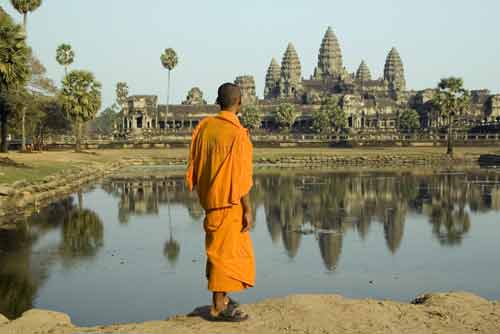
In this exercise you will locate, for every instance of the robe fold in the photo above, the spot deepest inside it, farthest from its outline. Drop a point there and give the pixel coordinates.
(220, 169)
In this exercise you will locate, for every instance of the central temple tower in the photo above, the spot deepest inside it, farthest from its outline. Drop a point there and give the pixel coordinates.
(330, 63)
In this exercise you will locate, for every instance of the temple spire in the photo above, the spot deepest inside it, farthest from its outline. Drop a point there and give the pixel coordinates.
(363, 74)
(291, 77)
(394, 71)
(272, 79)
(330, 63)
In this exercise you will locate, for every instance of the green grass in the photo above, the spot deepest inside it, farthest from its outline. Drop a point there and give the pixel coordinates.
(33, 172)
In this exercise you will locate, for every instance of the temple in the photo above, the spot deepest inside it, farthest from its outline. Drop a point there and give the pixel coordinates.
(371, 104)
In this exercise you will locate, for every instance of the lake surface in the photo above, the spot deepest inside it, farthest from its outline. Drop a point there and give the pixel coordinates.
(128, 250)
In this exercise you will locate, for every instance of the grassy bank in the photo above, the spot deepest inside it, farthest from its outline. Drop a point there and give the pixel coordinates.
(37, 166)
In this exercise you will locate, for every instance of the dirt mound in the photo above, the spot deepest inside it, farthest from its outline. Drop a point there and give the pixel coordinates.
(453, 313)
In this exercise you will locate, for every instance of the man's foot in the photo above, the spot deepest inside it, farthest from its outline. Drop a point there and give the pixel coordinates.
(229, 314)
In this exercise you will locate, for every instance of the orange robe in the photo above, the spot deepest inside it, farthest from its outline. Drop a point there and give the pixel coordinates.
(220, 168)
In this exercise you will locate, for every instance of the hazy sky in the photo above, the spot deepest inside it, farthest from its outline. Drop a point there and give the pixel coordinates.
(121, 40)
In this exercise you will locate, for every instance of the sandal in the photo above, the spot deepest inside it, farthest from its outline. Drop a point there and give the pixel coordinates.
(230, 314)
(233, 303)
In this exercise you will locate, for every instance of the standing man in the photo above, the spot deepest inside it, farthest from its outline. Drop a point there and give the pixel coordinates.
(220, 168)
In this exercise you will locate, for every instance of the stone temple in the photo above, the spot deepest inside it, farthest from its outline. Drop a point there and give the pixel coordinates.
(371, 104)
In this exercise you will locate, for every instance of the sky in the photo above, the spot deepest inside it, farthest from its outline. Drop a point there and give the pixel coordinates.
(217, 40)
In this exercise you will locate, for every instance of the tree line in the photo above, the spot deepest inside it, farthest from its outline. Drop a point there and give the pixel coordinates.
(30, 103)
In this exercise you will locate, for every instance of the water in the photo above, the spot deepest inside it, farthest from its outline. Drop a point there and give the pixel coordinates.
(133, 249)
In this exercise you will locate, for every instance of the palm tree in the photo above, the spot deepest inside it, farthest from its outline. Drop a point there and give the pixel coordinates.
(14, 67)
(451, 100)
(65, 56)
(81, 99)
(24, 7)
(169, 60)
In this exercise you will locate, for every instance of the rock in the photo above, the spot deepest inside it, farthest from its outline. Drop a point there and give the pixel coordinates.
(3, 320)
(40, 321)
(6, 191)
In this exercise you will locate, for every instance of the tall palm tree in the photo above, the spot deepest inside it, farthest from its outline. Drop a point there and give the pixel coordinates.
(81, 99)
(14, 67)
(24, 7)
(65, 56)
(169, 60)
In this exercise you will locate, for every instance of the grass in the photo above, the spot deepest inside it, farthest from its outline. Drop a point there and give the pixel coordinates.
(40, 165)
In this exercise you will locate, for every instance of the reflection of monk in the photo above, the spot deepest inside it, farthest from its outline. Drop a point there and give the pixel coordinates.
(220, 168)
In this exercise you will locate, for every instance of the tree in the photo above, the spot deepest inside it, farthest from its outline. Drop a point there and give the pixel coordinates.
(122, 96)
(251, 116)
(105, 122)
(81, 99)
(320, 121)
(451, 100)
(286, 115)
(338, 118)
(169, 60)
(24, 7)
(409, 120)
(14, 67)
(65, 56)
(52, 120)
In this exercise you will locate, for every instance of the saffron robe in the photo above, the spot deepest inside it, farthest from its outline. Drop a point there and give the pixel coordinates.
(220, 169)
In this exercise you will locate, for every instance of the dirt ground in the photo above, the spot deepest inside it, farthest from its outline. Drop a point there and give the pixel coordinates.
(453, 313)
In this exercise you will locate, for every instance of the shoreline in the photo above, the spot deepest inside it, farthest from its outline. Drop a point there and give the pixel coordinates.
(22, 198)
(456, 312)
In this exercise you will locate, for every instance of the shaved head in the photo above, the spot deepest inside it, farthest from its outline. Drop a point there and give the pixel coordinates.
(229, 96)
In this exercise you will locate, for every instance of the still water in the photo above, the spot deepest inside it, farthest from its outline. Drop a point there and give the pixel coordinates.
(132, 249)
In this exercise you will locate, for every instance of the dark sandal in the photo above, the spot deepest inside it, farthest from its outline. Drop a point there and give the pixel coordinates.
(232, 303)
(230, 314)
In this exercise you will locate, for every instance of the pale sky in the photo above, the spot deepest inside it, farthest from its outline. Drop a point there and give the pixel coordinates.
(216, 40)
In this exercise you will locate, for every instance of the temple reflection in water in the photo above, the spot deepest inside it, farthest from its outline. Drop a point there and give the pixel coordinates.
(331, 205)
(324, 207)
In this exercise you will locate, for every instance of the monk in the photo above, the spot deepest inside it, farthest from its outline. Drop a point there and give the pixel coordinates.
(220, 169)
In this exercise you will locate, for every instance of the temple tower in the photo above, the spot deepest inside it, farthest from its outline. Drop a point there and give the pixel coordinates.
(247, 86)
(290, 77)
(329, 58)
(272, 80)
(394, 72)
(363, 74)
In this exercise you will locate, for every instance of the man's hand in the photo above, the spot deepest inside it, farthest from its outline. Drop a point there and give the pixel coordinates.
(247, 222)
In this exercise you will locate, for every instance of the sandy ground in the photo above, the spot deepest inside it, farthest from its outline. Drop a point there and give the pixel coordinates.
(453, 313)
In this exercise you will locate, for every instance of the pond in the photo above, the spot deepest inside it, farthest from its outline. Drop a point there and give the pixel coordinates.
(132, 249)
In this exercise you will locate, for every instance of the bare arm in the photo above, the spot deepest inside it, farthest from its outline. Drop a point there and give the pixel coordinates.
(247, 213)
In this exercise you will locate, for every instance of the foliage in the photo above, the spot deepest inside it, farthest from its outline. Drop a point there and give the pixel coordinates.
(26, 6)
(169, 59)
(65, 55)
(251, 116)
(286, 114)
(452, 99)
(80, 98)
(338, 118)
(14, 55)
(104, 123)
(409, 120)
(320, 121)
(14, 67)
(121, 93)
